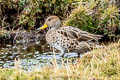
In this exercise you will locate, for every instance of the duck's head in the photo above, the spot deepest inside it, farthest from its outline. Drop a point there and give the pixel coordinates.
(52, 22)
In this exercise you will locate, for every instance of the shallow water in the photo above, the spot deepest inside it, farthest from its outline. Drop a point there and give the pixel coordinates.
(32, 56)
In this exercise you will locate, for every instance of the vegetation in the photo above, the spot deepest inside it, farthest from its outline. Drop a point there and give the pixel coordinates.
(103, 64)
(95, 16)
(99, 17)
(31, 13)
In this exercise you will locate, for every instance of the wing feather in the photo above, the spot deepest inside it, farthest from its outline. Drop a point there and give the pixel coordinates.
(78, 34)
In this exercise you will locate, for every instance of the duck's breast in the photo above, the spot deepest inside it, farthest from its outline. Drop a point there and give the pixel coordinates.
(51, 37)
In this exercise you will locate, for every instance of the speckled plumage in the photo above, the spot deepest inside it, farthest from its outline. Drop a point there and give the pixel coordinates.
(68, 38)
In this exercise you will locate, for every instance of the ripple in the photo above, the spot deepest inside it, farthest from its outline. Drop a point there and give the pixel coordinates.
(30, 57)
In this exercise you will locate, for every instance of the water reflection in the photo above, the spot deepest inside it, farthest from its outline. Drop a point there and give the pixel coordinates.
(31, 56)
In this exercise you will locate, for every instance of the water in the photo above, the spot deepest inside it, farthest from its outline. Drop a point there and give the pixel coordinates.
(32, 56)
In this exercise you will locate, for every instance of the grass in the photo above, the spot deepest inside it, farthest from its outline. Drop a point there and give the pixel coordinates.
(96, 16)
(99, 64)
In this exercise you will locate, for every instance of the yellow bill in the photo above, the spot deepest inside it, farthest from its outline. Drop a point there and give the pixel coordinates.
(43, 27)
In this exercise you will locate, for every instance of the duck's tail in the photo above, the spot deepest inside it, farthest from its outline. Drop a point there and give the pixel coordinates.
(96, 37)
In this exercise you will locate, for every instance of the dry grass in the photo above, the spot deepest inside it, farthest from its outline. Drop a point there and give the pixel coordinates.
(100, 64)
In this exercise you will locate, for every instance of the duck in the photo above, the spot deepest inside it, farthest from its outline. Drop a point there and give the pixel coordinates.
(67, 38)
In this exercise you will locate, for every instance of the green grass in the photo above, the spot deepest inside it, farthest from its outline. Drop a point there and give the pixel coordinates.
(99, 64)
(96, 16)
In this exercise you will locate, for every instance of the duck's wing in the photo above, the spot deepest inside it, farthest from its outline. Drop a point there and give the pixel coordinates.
(75, 33)
(71, 41)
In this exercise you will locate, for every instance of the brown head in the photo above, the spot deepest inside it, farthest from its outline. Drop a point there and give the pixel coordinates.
(52, 22)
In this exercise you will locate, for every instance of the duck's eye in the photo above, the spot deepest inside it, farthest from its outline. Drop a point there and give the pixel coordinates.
(49, 19)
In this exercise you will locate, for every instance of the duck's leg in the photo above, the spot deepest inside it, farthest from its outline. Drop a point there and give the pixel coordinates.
(78, 55)
(61, 49)
(62, 53)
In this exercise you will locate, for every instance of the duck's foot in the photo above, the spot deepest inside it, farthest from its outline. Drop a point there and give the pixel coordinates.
(70, 55)
(62, 55)
(78, 55)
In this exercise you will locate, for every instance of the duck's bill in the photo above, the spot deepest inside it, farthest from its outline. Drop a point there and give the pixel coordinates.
(43, 27)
